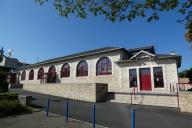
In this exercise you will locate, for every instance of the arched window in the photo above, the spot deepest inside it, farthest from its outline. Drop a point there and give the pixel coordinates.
(82, 68)
(51, 77)
(23, 75)
(65, 70)
(40, 73)
(31, 74)
(103, 66)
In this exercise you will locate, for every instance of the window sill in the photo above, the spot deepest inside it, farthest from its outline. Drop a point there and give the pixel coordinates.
(100, 76)
(82, 76)
(65, 77)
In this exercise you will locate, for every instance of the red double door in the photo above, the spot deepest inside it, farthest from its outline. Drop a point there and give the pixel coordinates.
(145, 79)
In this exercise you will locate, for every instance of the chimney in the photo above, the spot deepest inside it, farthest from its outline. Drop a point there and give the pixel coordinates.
(172, 53)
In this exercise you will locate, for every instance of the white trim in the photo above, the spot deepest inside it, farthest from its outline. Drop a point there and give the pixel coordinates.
(142, 52)
(153, 89)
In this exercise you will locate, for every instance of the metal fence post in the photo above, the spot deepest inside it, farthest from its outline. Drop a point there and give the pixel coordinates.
(67, 110)
(93, 118)
(47, 106)
(133, 118)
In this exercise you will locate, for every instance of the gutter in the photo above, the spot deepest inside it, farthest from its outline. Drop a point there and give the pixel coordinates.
(62, 59)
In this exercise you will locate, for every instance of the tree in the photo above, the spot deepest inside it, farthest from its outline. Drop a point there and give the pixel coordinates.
(181, 75)
(189, 75)
(120, 10)
(186, 74)
(188, 34)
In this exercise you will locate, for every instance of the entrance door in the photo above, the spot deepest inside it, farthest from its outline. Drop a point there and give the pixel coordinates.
(145, 79)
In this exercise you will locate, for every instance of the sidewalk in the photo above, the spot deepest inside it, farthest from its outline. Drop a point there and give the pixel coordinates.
(39, 120)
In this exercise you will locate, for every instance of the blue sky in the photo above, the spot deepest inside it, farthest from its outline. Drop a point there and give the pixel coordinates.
(37, 31)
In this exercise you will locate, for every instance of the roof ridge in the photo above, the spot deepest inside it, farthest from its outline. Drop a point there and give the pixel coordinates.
(138, 48)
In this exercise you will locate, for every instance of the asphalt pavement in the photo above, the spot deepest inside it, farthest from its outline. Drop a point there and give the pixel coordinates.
(115, 115)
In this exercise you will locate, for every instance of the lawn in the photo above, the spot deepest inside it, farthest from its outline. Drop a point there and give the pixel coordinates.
(9, 105)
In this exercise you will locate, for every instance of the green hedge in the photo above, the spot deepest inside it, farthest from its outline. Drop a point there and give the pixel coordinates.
(12, 107)
(4, 87)
(8, 96)
(3, 83)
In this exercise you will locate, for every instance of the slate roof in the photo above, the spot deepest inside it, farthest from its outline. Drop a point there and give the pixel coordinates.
(149, 49)
(129, 52)
(159, 56)
(76, 55)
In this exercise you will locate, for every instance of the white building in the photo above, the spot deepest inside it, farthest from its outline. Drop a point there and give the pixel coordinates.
(122, 71)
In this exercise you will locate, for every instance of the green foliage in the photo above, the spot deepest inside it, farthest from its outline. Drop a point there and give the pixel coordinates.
(120, 10)
(189, 74)
(188, 34)
(186, 74)
(3, 83)
(12, 107)
(181, 75)
(8, 96)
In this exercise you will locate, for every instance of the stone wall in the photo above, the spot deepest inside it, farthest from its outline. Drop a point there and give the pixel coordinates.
(86, 92)
(119, 80)
(185, 99)
(111, 80)
(166, 100)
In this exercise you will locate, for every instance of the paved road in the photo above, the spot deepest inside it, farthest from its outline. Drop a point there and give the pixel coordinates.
(117, 115)
(39, 120)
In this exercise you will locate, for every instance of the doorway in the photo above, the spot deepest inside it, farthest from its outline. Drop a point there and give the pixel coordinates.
(145, 79)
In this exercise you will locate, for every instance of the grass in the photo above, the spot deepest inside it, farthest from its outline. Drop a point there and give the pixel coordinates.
(12, 107)
(8, 96)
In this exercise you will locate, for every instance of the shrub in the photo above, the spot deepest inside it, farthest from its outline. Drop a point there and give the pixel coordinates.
(3, 83)
(8, 96)
(12, 107)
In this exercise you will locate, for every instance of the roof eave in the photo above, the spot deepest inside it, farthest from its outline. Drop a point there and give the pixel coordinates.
(62, 59)
(177, 57)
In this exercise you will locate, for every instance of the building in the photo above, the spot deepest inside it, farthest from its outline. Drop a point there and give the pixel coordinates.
(8, 66)
(184, 84)
(91, 75)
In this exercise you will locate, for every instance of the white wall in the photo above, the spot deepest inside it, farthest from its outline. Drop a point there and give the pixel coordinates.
(169, 73)
(119, 80)
(3, 62)
(112, 80)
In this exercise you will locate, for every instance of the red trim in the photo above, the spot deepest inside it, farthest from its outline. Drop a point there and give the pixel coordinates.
(103, 66)
(82, 68)
(145, 79)
(40, 73)
(31, 74)
(65, 70)
(23, 75)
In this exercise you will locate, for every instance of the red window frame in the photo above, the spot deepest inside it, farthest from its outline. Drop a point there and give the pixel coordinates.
(23, 75)
(51, 76)
(65, 70)
(52, 70)
(40, 73)
(104, 66)
(31, 74)
(82, 68)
